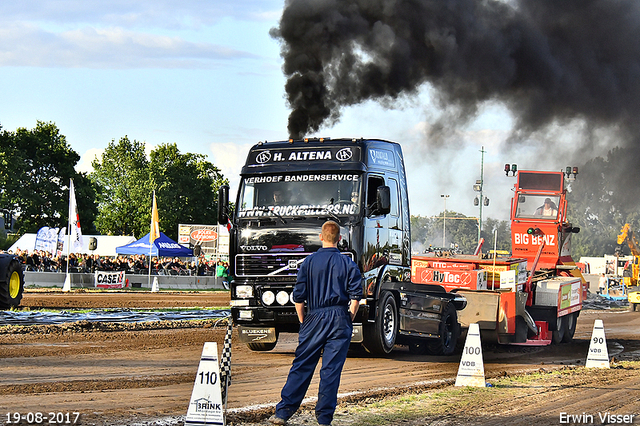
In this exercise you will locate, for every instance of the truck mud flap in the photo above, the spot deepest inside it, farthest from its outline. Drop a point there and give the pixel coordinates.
(257, 334)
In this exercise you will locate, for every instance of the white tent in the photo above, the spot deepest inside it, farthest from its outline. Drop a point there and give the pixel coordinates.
(106, 244)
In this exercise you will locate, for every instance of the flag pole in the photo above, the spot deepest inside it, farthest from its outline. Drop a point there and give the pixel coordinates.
(154, 232)
(67, 280)
(150, 248)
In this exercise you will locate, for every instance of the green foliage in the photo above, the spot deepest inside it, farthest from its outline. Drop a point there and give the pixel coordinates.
(460, 230)
(503, 228)
(7, 240)
(124, 194)
(35, 168)
(185, 186)
(604, 197)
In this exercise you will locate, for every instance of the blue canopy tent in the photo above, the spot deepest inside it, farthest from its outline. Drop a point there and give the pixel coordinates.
(162, 246)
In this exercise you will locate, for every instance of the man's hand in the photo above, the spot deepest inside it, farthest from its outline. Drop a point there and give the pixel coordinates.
(353, 308)
(300, 311)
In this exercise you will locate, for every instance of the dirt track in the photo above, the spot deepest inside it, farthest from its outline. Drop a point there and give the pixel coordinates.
(117, 374)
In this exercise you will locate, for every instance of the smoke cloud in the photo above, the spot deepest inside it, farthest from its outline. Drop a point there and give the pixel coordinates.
(547, 61)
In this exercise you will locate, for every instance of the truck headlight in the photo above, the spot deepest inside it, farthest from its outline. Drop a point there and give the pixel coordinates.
(244, 291)
(282, 297)
(268, 297)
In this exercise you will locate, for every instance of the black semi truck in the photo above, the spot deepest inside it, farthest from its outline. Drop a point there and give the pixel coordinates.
(287, 190)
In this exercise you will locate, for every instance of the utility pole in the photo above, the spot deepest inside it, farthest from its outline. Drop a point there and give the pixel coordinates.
(444, 219)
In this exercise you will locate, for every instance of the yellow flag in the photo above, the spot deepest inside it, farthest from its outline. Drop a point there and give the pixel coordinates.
(155, 226)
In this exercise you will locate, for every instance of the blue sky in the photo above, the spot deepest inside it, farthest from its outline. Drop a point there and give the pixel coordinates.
(207, 76)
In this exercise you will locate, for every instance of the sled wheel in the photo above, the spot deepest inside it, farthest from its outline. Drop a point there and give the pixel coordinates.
(570, 327)
(522, 330)
(558, 333)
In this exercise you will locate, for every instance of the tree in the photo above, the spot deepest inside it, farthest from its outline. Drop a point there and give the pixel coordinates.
(122, 179)
(34, 181)
(185, 185)
(186, 188)
(460, 230)
(604, 197)
(503, 229)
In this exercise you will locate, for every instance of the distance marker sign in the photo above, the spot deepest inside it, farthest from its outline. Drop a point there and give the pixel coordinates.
(205, 407)
(471, 369)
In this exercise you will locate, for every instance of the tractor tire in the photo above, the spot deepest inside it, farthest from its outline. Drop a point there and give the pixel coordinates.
(569, 327)
(449, 334)
(11, 284)
(380, 337)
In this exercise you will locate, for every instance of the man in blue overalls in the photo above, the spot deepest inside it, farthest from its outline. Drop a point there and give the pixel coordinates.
(331, 285)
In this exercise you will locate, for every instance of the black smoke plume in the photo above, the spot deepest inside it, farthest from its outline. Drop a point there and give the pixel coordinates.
(548, 61)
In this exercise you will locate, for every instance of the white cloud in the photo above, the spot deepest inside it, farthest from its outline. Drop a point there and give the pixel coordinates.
(167, 14)
(229, 157)
(84, 165)
(113, 48)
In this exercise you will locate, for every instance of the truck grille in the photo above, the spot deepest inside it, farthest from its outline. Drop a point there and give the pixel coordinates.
(271, 264)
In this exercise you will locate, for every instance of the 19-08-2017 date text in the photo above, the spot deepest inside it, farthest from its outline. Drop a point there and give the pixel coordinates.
(38, 418)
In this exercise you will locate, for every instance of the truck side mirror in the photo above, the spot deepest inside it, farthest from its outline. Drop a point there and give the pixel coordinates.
(383, 200)
(223, 204)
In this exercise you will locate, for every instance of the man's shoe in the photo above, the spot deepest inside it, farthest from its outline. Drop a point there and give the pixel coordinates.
(277, 420)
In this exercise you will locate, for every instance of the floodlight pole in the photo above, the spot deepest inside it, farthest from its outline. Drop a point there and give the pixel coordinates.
(444, 219)
(481, 187)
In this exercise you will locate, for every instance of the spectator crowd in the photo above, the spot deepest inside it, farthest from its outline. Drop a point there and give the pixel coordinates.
(43, 261)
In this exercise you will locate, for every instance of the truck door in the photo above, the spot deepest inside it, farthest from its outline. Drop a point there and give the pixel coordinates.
(395, 225)
(376, 229)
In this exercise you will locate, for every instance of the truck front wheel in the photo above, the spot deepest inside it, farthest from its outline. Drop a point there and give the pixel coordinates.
(11, 285)
(380, 337)
(449, 333)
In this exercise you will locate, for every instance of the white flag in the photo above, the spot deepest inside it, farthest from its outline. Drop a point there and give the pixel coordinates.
(75, 233)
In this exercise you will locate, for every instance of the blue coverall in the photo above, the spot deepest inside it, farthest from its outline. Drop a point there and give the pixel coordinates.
(327, 280)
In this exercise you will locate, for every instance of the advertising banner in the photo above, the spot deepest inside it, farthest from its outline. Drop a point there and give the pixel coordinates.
(213, 240)
(104, 279)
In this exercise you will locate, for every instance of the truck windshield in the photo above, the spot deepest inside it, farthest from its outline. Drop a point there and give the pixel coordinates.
(300, 195)
(537, 206)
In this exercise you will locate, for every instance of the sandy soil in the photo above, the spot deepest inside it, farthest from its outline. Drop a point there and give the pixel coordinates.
(128, 373)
